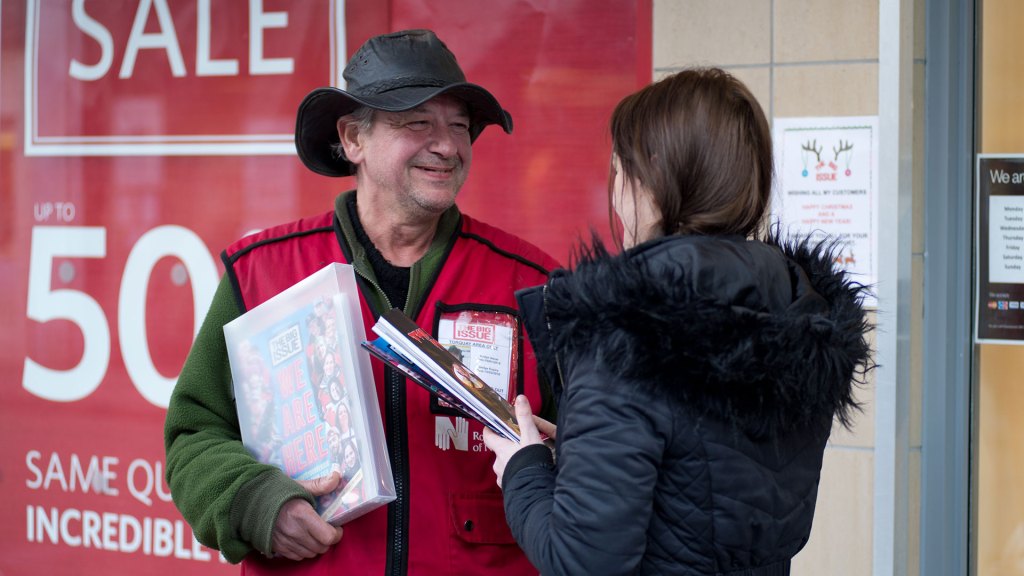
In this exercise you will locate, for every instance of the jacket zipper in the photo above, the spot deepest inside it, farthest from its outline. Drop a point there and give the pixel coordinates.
(547, 321)
(376, 286)
(398, 511)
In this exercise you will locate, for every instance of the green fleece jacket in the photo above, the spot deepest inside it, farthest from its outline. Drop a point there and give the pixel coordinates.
(228, 498)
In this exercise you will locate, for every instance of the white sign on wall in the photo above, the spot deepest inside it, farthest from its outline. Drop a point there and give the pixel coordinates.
(827, 187)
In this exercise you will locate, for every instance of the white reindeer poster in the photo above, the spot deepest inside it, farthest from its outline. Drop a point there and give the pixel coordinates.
(827, 186)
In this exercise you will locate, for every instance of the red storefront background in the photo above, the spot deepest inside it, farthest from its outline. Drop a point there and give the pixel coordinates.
(139, 137)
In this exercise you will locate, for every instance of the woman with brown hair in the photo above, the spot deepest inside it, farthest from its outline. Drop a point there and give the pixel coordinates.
(700, 369)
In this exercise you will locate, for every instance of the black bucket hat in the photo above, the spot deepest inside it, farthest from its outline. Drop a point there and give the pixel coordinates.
(392, 72)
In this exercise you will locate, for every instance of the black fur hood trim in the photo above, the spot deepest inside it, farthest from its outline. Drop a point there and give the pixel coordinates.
(767, 335)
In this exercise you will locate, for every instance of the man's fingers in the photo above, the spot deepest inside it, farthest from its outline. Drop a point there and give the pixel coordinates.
(330, 536)
(300, 533)
(322, 485)
(294, 550)
(323, 535)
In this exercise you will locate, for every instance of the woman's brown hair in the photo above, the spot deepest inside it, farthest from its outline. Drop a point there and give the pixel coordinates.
(700, 143)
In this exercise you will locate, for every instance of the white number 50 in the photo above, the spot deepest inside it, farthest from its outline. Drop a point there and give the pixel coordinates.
(45, 304)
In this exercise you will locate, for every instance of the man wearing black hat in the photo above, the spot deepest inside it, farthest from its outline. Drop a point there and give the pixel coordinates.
(404, 127)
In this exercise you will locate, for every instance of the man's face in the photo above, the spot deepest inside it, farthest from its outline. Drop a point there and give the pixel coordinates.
(417, 159)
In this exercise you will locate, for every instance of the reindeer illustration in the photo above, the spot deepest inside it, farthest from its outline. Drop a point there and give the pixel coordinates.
(815, 149)
(843, 147)
(845, 260)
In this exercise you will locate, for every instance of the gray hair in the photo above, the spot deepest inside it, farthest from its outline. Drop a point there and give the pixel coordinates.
(362, 117)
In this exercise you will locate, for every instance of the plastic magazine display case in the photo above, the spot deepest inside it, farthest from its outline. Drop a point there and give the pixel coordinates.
(305, 392)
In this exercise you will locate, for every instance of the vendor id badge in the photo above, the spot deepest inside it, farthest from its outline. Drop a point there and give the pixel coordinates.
(486, 342)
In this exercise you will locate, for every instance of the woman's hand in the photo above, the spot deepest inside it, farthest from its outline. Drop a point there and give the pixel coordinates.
(532, 430)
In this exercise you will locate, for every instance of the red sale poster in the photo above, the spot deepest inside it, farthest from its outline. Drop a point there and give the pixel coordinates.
(140, 137)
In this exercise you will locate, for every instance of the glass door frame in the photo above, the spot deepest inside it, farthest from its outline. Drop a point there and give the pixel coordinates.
(948, 440)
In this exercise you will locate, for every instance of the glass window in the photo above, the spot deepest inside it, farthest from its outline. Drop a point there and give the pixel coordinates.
(1000, 389)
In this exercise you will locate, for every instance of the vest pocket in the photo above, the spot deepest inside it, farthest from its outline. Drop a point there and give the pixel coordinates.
(479, 518)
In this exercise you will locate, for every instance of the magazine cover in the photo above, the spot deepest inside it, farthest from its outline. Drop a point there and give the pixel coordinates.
(380, 348)
(305, 394)
(483, 340)
(467, 390)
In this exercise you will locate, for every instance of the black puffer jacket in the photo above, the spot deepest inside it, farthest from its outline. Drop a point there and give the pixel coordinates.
(701, 378)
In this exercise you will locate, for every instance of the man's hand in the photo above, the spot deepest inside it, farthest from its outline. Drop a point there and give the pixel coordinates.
(299, 532)
(531, 429)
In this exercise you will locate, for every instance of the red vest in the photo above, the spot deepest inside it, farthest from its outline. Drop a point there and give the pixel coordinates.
(449, 517)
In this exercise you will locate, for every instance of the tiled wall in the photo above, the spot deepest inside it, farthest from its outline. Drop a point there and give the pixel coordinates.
(816, 59)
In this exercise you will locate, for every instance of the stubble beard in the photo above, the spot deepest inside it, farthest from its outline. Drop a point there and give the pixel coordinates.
(433, 200)
(414, 196)
(429, 203)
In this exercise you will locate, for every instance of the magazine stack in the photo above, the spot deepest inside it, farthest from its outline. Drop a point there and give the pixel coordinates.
(305, 393)
(403, 345)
